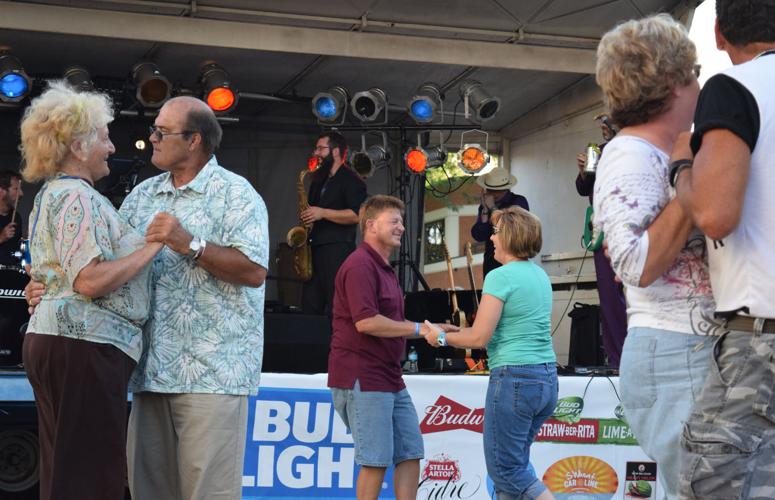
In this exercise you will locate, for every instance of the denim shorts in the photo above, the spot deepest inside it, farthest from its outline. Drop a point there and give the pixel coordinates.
(384, 425)
(519, 399)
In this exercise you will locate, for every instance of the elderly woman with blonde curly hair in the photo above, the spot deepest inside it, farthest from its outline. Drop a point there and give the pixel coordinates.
(646, 69)
(84, 338)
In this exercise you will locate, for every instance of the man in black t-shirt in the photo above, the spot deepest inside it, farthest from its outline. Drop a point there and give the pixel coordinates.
(722, 173)
(10, 230)
(335, 196)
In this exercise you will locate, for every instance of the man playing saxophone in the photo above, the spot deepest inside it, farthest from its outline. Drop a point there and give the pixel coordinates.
(335, 196)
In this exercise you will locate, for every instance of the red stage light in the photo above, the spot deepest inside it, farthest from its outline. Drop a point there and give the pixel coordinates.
(220, 99)
(416, 160)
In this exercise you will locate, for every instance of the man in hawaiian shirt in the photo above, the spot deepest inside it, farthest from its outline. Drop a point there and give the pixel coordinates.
(204, 341)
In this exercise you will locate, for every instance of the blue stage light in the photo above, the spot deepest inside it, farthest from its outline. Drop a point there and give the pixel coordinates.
(326, 107)
(13, 85)
(14, 82)
(330, 105)
(426, 104)
(422, 109)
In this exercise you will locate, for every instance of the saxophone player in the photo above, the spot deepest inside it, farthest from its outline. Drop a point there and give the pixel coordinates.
(335, 196)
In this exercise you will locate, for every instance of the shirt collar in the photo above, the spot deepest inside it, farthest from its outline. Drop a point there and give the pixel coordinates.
(198, 184)
(376, 256)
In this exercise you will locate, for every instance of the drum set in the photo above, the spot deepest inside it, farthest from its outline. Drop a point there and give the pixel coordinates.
(13, 308)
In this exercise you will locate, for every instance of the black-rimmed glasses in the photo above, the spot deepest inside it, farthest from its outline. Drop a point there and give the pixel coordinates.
(159, 135)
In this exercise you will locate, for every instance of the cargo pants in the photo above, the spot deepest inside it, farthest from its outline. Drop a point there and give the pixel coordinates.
(729, 440)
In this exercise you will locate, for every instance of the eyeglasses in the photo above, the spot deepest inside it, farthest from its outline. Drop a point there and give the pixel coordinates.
(321, 148)
(496, 229)
(159, 135)
(696, 70)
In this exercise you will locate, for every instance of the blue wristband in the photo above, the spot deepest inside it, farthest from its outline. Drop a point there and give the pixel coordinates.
(417, 329)
(442, 340)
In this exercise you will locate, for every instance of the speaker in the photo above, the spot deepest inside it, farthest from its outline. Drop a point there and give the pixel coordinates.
(296, 343)
(586, 340)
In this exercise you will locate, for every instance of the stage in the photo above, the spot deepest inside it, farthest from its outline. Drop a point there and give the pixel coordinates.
(297, 447)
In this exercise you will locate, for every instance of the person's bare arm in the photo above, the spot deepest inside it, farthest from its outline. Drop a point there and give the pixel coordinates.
(478, 335)
(225, 263)
(100, 277)
(713, 190)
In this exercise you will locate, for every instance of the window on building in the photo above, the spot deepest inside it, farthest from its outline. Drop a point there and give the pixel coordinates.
(434, 241)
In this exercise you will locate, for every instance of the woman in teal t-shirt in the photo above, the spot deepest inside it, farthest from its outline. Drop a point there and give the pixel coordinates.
(513, 321)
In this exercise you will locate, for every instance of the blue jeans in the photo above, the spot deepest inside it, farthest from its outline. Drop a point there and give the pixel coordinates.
(384, 425)
(519, 399)
(661, 376)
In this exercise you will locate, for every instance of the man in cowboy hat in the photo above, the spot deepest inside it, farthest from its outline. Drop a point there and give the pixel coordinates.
(496, 195)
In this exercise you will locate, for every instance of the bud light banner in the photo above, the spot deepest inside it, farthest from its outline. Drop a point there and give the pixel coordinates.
(297, 446)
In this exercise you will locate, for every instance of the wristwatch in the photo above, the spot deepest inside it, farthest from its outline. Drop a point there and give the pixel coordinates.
(442, 340)
(196, 248)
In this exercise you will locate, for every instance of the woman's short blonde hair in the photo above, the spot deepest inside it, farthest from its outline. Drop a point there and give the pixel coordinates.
(639, 65)
(54, 122)
(519, 231)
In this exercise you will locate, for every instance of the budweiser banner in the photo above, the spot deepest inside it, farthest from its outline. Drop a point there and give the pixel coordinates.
(297, 447)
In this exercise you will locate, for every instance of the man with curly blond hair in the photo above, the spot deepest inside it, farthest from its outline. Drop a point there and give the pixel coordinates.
(723, 178)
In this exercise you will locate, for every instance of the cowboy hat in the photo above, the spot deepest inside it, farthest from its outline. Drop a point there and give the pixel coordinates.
(497, 179)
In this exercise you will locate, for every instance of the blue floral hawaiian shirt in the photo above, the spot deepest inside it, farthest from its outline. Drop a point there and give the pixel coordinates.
(204, 335)
(72, 224)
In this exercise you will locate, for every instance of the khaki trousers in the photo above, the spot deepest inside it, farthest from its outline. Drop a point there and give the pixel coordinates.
(186, 446)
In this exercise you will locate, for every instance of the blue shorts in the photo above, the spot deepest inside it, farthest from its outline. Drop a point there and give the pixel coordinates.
(384, 425)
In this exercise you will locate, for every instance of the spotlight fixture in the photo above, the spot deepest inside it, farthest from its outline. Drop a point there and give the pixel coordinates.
(366, 161)
(153, 88)
(14, 82)
(217, 89)
(473, 158)
(477, 100)
(367, 105)
(427, 104)
(330, 105)
(79, 78)
(418, 159)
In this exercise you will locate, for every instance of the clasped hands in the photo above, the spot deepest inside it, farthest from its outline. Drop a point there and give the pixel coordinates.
(431, 331)
(166, 228)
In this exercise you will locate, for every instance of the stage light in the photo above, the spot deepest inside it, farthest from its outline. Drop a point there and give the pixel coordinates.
(330, 105)
(153, 89)
(426, 105)
(78, 78)
(477, 100)
(473, 158)
(140, 144)
(365, 163)
(367, 105)
(418, 159)
(217, 90)
(14, 82)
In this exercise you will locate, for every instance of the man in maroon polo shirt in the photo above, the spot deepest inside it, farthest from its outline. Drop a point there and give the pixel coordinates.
(364, 365)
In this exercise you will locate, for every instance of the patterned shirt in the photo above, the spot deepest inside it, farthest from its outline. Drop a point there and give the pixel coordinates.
(631, 190)
(75, 224)
(205, 335)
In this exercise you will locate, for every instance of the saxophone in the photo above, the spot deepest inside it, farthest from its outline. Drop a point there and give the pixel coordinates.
(298, 236)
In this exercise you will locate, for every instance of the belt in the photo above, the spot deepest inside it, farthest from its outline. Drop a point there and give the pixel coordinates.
(747, 324)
